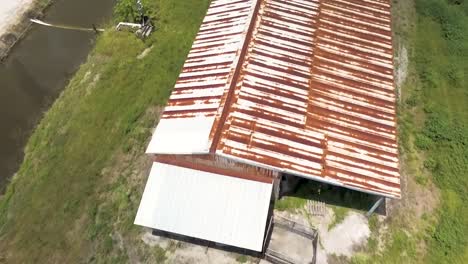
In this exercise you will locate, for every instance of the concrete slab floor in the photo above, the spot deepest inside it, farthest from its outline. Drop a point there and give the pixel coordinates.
(296, 247)
(344, 239)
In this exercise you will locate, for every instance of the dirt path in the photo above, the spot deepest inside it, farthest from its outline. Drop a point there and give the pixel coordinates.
(401, 68)
(343, 239)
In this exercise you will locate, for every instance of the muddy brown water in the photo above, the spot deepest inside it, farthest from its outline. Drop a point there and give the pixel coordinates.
(38, 69)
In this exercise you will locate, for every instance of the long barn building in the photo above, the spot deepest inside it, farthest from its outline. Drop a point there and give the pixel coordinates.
(272, 87)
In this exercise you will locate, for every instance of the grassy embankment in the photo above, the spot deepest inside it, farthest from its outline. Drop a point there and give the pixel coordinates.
(430, 224)
(441, 61)
(76, 194)
(433, 117)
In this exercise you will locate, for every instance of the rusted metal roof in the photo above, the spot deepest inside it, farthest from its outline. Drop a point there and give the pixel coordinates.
(299, 86)
(211, 61)
(352, 95)
(219, 165)
(267, 117)
(188, 118)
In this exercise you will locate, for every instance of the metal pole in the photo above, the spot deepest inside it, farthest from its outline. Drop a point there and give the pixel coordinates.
(375, 206)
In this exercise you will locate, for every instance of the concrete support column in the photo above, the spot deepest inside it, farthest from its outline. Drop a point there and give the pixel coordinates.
(277, 188)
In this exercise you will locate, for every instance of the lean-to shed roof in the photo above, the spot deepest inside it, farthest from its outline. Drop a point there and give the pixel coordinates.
(205, 205)
(300, 86)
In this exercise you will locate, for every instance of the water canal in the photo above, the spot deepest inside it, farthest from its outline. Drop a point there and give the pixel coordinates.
(38, 69)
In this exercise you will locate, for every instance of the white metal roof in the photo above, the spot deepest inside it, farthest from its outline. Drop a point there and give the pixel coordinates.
(181, 136)
(209, 206)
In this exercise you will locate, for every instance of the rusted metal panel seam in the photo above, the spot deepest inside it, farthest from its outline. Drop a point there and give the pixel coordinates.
(212, 169)
(219, 123)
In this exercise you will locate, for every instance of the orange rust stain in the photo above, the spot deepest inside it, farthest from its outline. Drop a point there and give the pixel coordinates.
(309, 89)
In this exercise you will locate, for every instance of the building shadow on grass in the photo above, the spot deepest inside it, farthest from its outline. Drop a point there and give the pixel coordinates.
(334, 195)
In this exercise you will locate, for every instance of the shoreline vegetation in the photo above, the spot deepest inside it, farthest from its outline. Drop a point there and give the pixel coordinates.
(76, 193)
(16, 30)
(430, 223)
(75, 196)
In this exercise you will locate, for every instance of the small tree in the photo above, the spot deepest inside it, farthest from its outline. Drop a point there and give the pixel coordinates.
(128, 10)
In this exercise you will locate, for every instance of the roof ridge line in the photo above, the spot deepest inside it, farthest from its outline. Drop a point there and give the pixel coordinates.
(226, 103)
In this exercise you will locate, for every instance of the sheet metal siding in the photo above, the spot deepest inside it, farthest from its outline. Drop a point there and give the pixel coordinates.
(267, 118)
(352, 95)
(219, 165)
(205, 205)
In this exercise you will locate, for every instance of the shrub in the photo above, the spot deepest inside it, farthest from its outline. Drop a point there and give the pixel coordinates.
(430, 164)
(127, 10)
(422, 142)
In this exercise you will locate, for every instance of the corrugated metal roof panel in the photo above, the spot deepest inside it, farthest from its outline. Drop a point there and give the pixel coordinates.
(182, 136)
(213, 58)
(219, 165)
(189, 115)
(205, 205)
(324, 67)
(301, 86)
(352, 96)
(266, 121)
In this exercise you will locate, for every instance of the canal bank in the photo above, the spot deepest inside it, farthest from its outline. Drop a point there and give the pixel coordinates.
(37, 70)
(15, 21)
(11, 13)
(75, 195)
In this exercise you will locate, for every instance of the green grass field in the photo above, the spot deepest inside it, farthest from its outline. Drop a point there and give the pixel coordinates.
(76, 194)
(64, 206)
(441, 60)
(433, 130)
(433, 118)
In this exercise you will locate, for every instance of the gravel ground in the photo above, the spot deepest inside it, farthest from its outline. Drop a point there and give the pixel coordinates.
(345, 237)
